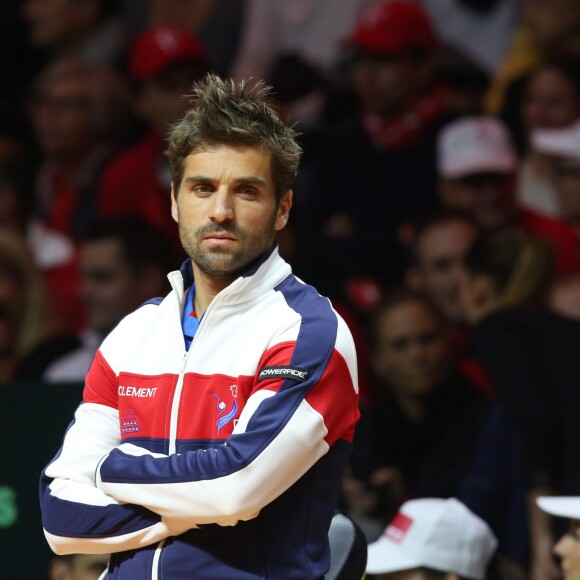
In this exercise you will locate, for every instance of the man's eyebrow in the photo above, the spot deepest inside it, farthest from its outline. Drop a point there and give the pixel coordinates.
(197, 179)
(258, 181)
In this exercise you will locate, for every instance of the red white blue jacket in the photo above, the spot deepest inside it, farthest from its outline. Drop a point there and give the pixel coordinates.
(221, 462)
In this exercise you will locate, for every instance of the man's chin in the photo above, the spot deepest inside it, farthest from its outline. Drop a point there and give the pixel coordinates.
(223, 266)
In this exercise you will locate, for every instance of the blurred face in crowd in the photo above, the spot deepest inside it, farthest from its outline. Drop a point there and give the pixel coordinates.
(487, 198)
(110, 288)
(550, 22)
(550, 101)
(227, 211)
(62, 119)
(53, 24)
(163, 99)
(565, 175)
(387, 84)
(568, 549)
(412, 348)
(439, 262)
(79, 567)
(477, 296)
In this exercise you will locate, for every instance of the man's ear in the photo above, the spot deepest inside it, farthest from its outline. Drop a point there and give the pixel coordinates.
(283, 211)
(174, 211)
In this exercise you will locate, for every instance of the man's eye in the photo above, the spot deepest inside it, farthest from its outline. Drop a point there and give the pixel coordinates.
(248, 192)
(202, 188)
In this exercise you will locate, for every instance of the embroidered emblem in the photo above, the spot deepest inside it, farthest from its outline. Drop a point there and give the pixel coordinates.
(297, 373)
(225, 416)
(398, 528)
(130, 422)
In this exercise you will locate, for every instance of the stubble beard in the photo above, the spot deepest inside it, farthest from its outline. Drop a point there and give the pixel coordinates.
(219, 261)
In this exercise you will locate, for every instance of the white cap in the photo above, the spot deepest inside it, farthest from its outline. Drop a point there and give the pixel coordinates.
(566, 507)
(441, 534)
(561, 142)
(475, 145)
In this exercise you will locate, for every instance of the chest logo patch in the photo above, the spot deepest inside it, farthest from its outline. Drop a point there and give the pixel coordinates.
(129, 422)
(225, 415)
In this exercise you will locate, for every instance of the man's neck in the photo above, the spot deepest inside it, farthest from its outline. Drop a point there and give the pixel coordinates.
(207, 287)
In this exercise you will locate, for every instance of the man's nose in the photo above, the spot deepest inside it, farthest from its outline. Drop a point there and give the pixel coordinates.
(222, 208)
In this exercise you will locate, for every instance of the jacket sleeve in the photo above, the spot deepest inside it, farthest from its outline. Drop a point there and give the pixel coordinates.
(77, 517)
(287, 425)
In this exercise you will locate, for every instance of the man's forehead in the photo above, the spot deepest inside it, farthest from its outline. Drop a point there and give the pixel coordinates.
(239, 163)
(233, 147)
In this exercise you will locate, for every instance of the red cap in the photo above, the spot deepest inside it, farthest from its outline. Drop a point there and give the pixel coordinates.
(390, 27)
(159, 47)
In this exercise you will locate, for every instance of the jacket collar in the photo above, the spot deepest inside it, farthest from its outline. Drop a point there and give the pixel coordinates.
(261, 276)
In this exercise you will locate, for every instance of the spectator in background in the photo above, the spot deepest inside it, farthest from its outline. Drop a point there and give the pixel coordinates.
(531, 355)
(309, 29)
(439, 246)
(377, 171)
(432, 539)
(123, 264)
(568, 547)
(477, 170)
(420, 431)
(163, 64)
(480, 29)
(478, 166)
(297, 47)
(216, 23)
(563, 148)
(301, 96)
(437, 253)
(90, 30)
(545, 28)
(79, 113)
(22, 294)
(550, 100)
(429, 431)
(465, 82)
(54, 253)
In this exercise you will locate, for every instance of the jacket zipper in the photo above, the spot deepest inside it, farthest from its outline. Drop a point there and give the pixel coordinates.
(173, 434)
(175, 403)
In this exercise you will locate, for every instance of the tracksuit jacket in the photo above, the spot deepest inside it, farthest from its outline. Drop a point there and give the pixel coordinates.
(224, 461)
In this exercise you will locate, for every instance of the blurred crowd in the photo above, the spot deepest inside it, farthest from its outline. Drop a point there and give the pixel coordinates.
(437, 205)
